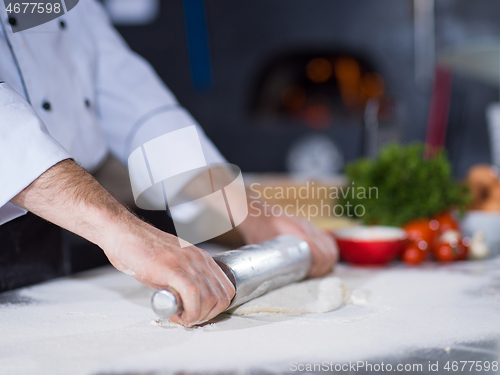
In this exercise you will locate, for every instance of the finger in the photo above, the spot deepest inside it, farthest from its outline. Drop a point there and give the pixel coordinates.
(319, 267)
(192, 309)
(319, 248)
(197, 297)
(176, 319)
(227, 285)
(204, 290)
(328, 258)
(219, 307)
(333, 251)
(322, 248)
(209, 298)
(189, 290)
(224, 296)
(328, 247)
(194, 288)
(216, 296)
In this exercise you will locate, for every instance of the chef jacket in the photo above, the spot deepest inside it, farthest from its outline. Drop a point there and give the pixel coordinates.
(73, 89)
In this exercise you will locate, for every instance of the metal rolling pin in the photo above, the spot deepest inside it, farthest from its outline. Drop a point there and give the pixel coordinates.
(254, 270)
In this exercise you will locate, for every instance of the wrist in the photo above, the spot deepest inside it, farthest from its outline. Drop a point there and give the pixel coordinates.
(114, 227)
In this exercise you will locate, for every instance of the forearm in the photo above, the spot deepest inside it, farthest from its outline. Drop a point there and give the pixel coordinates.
(71, 198)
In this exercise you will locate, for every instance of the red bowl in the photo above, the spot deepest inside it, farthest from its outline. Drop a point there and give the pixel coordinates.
(370, 245)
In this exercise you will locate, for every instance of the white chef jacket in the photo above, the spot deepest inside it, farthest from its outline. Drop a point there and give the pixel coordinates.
(88, 94)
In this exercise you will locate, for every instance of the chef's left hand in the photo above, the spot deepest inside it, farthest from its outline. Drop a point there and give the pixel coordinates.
(323, 248)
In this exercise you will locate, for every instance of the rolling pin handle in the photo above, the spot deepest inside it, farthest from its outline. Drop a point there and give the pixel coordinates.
(166, 303)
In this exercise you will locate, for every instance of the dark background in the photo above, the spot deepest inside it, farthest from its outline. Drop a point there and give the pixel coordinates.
(245, 36)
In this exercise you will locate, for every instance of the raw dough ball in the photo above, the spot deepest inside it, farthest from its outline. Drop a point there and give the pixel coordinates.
(309, 296)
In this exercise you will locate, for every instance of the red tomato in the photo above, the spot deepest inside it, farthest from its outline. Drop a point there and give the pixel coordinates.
(446, 252)
(413, 254)
(418, 230)
(461, 251)
(446, 221)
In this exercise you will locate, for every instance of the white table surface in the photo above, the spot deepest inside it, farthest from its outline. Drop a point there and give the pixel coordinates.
(101, 322)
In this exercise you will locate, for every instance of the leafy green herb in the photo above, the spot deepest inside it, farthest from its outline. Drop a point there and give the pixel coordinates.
(409, 186)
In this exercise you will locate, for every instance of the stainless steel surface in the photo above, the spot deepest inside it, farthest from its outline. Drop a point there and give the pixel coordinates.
(166, 303)
(258, 269)
(254, 270)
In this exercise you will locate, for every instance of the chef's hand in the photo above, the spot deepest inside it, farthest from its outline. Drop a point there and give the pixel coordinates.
(155, 259)
(68, 196)
(323, 248)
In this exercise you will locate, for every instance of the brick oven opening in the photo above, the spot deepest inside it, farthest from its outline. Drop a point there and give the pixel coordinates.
(318, 90)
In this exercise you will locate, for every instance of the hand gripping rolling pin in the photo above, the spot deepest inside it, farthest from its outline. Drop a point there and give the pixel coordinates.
(254, 270)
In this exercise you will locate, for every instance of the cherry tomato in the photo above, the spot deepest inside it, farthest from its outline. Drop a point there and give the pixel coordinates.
(461, 251)
(418, 230)
(413, 254)
(449, 252)
(444, 253)
(446, 221)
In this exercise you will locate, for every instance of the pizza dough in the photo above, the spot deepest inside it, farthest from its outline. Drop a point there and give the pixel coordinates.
(309, 296)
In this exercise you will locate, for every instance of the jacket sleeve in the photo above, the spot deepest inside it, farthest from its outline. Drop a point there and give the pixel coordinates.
(133, 104)
(26, 149)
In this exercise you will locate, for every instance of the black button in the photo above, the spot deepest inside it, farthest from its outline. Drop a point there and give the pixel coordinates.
(62, 24)
(46, 106)
(87, 103)
(12, 21)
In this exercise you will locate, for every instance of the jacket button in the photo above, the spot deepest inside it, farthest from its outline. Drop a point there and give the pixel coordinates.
(87, 103)
(46, 106)
(62, 25)
(12, 21)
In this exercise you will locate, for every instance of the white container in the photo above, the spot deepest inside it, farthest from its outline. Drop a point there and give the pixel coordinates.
(486, 222)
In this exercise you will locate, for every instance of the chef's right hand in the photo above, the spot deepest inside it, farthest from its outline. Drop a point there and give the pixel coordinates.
(68, 196)
(156, 259)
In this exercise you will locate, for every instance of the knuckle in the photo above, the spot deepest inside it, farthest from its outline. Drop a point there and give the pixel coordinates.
(200, 255)
(222, 304)
(211, 300)
(177, 270)
(226, 301)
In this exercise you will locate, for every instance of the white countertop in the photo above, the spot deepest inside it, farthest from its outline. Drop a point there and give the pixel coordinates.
(101, 322)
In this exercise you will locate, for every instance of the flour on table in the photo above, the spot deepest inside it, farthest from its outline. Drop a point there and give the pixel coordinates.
(309, 296)
(358, 297)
